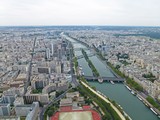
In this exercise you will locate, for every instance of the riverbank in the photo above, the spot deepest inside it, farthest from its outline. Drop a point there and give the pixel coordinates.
(131, 104)
(102, 97)
(136, 89)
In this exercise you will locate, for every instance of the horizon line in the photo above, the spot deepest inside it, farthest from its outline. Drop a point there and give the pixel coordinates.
(65, 25)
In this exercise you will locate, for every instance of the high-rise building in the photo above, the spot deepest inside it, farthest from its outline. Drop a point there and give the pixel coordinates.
(48, 53)
(59, 51)
(5, 109)
(9, 99)
(30, 98)
(52, 49)
(30, 111)
(58, 67)
(22, 110)
(33, 114)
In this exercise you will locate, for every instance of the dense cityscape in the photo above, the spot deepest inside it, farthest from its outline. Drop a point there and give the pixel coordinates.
(56, 73)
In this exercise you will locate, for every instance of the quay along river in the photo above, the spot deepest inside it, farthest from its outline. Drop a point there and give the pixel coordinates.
(117, 92)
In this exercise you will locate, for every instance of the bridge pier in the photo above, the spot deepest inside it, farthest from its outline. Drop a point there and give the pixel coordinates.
(108, 79)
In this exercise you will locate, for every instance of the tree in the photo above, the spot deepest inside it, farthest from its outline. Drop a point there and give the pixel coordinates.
(117, 66)
(50, 113)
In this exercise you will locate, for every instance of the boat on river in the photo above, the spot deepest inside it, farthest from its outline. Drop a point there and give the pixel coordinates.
(133, 92)
(100, 80)
(153, 111)
(83, 73)
(80, 67)
(112, 82)
(139, 98)
(128, 88)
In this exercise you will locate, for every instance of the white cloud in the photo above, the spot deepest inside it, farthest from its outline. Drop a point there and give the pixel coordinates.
(81, 12)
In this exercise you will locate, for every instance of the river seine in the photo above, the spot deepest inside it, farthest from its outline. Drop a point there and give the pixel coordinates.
(117, 92)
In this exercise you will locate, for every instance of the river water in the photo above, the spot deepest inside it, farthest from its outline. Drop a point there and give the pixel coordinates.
(117, 92)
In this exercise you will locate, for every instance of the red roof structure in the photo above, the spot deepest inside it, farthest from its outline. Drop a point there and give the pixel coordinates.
(95, 114)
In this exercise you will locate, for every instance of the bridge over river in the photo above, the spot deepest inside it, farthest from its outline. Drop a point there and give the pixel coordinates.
(82, 56)
(108, 79)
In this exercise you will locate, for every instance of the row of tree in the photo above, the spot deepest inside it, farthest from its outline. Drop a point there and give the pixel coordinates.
(129, 81)
(94, 70)
(153, 102)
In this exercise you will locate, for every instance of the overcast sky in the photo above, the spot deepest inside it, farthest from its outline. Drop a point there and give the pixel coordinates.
(80, 12)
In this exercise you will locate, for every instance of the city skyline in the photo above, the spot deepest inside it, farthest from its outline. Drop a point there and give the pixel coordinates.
(74, 12)
(85, 68)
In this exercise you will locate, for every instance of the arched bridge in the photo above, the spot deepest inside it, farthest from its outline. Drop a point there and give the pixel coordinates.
(114, 79)
(89, 55)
